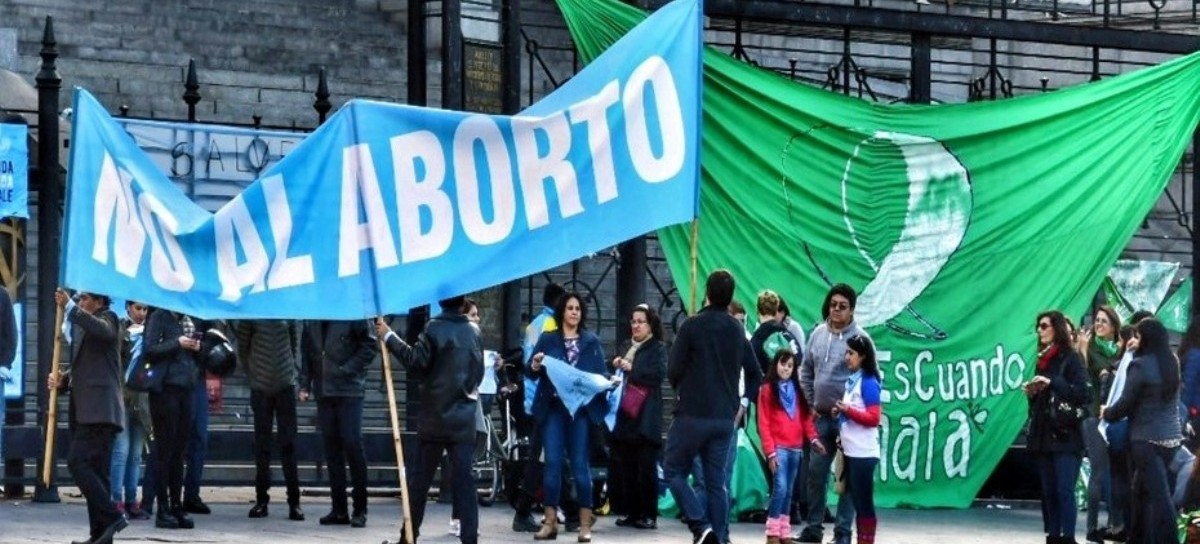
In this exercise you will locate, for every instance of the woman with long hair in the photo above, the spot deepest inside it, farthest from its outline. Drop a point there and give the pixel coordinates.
(1099, 348)
(1150, 399)
(1056, 442)
(564, 432)
(637, 435)
(859, 413)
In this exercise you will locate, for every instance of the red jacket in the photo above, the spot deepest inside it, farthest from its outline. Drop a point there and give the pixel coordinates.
(776, 429)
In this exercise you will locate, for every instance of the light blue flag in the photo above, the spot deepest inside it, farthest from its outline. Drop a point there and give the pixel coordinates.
(575, 387)
(386, 207)
(614, 400)
(14, 170)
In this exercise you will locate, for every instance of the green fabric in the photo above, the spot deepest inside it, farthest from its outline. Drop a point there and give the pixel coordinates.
(1177, 310)
(1015, 206)
(1107, 348)
(1137, 285)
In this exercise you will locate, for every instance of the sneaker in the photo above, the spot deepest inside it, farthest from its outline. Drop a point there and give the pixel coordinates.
(185, 522)
(295, 513)
(707, 537)
(120, 507)
(132, 511)
(259, 510)
(335, 518)
(358, 520)
(165, 520)
(455, 527)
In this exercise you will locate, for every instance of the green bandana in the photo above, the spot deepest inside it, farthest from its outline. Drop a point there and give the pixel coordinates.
(1107, 347)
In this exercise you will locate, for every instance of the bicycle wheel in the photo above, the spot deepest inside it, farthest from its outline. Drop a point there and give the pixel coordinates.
(486, 466)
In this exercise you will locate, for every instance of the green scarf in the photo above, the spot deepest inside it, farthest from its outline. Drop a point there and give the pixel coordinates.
(1107, 347)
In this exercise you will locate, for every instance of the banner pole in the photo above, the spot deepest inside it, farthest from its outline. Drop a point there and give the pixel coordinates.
(52, 416)
(391, 394)
(695, 257)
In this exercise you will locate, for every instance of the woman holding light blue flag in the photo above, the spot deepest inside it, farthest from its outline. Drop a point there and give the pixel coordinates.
(564, 430)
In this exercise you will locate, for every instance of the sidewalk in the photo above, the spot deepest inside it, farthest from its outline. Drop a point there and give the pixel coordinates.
(22, 521)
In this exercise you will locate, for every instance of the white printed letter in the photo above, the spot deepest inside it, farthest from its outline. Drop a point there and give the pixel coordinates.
(536, 167)
(412, 194)
(115, 197)
(594, 112)
(655, 72)
(360, 188)
(482, 129)
(285, 271)
(233, 225)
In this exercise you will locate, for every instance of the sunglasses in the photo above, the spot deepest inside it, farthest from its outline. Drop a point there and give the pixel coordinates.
(1041, 326)
(839, 305)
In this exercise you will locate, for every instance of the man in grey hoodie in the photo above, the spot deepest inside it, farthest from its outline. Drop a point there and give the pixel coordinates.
(823, 375)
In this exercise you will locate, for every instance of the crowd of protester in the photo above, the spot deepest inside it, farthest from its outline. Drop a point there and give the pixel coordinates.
(812, 401)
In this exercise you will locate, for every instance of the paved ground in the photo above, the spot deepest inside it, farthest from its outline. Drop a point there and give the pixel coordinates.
(23, 521)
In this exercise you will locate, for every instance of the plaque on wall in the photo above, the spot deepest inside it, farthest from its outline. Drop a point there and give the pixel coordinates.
(483, 72)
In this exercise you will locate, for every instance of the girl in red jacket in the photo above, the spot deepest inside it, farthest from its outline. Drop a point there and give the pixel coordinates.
(785, 424)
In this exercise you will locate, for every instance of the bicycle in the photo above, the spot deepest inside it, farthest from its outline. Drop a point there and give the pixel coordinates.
(495, 448)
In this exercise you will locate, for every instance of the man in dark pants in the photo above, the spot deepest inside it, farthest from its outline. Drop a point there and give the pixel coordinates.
(96, 414)
(334, 371)
(448, 360)
(709, 353)
(8, 351)
(270, 353)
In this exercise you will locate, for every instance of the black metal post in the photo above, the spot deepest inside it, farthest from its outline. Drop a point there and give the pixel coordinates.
(631, 282)
(510, 20)
(12, 413)
(847, 61)
(50, 192)
(452, 55)
(191, 90)
(920, 84)
(322, 104)
(417, 54)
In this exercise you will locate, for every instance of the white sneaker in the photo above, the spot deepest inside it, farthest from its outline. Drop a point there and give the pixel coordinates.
(455, 527)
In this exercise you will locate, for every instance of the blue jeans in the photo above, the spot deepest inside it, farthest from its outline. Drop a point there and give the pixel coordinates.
(563, 434)
(698, 478)
(818, 482)
(127, 460)
(709, 438)
(1059, 471)
(787, 462)
(197, 450)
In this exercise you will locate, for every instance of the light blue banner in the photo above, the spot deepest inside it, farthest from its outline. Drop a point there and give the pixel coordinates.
(575, 387)
(386, 207)
(14, 170)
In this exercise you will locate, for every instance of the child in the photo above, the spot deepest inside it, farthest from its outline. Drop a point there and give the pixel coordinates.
(859, 413)
(785, 424)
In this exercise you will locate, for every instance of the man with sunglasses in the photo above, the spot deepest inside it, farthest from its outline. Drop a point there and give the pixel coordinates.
(823, 374)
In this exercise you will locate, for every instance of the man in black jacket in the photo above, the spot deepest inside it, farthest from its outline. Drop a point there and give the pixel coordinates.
(710, 351)
(97, 413)
(270, 353)
(448, 360)
(334, 371)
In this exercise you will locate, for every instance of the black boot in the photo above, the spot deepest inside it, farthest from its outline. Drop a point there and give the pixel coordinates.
(164, 520)
(181, 517)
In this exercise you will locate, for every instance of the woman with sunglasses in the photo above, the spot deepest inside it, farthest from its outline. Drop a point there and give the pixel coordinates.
(1056, 442)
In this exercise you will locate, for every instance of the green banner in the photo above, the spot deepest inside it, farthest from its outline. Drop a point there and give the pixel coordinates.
(1138, 285)
(1177, 310)
(956, 223)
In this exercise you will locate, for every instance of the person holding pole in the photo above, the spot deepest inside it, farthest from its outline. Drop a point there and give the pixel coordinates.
(97, 413)
(333, 370)
(447, 359)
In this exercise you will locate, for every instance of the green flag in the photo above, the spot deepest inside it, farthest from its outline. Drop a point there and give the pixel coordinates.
(955, 223)
(1138, 285)
(1177, 310)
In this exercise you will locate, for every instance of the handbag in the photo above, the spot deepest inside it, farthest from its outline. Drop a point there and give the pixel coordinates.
(1064, 415)
(633, 399)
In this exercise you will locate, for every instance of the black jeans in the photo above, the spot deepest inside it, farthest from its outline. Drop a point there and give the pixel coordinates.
(635, 474)
(89, 460)
(278, 408)
(341, 429)
(1153, 510)
(171, 413)
(429, 455)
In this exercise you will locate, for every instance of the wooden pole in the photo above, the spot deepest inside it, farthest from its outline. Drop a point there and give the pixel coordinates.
(391, 394)
(52, 416)
(694, 264)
